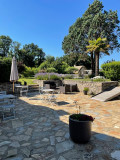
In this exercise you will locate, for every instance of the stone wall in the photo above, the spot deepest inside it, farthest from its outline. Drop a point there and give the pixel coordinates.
(8, 87)
(95, 87)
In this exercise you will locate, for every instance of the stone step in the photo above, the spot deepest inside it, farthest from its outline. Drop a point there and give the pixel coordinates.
(107, 95)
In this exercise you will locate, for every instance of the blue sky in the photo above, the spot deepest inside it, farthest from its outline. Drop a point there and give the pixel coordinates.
(46, 22)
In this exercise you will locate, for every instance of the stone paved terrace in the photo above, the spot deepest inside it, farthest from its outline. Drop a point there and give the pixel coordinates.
(40, 130)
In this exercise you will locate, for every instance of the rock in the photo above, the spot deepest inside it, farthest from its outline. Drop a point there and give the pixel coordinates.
(60, 133)
(45, 140)
(15, 144)
(25, 144)
(29, 131)
(51, 149)
(26, 152)
(103, 137)
(12, 152)
(3, 149)
(20, 138)
(61, 158)
(67, 136)
(64, 146)
(52, 140)
(116, 155)
(4, 143)
(17, 123)
(36, 156)
(60, 139)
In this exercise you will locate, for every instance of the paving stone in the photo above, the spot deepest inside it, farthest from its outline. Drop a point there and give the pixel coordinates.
(3, 150)
(64, 146)
(67, 135)
(45, 140)
(116, 155)
(60, 139)
(103, 137)
(15, 158)
(26, 152)
(61, 158)
(12, 152)
(52, 140)
(17, 123)
(25, 144)
(28, 159)
(29, 131)
(59, 133)
(20, 138)
(4, 143)
(15, 144)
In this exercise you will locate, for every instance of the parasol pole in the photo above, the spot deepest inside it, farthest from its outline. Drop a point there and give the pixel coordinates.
(13, 86)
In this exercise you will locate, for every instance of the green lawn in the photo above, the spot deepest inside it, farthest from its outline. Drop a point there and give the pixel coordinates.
(29, 80)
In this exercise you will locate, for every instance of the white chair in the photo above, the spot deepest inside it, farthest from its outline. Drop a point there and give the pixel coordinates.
(23, 89)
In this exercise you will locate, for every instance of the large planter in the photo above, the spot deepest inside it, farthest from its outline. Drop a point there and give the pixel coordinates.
(85, 92)
(80, 131)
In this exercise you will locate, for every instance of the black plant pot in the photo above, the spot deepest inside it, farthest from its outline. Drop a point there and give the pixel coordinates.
(80, 131)
(85, 92)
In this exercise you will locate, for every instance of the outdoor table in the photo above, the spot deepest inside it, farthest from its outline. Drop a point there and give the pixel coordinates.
(22, 89)
(6, 96)
(48, 90)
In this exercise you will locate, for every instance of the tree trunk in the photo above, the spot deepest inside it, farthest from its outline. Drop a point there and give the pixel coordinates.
(96, 63)
(92, 64)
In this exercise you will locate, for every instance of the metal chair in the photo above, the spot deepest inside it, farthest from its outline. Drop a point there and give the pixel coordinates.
(7, 109)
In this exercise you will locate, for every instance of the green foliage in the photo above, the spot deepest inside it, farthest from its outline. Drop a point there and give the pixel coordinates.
(44, 65)
(5, 69)
(68, 77)
(51, 70)
(5, 43)
(28, 80)
(82, 117)
(48, 77)
(21, 67)
(86, 89)
(29, 72)
(112, 70)
(71, 70)
(98, 80)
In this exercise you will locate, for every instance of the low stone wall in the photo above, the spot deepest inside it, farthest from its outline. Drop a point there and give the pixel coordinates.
(95, 87)
(8, 87)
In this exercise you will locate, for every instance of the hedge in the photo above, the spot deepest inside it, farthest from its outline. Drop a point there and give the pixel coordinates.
(112, 70)
(5, 69)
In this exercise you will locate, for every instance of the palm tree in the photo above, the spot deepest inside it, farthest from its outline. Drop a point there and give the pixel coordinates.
(98, 46)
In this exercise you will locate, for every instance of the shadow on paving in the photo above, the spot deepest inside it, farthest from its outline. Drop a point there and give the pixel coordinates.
(38, 132)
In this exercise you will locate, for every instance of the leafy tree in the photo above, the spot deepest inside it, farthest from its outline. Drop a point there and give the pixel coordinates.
(31, 55)
(14, 50)
(94, 23)
(5, 44)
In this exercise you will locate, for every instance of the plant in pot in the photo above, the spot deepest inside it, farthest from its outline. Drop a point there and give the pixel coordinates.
(85, 91)
(80, 126)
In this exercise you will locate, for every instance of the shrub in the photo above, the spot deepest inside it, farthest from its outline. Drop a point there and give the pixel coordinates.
(112, 70)
(71, 70)
(68, 77)
(86, 89)
(99, 80)
(5, 69)
(28, 72)
(46, 76)
(51, 70)
(21, 67)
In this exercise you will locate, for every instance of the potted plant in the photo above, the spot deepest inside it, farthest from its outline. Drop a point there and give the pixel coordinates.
(85, 91)
(80, 126)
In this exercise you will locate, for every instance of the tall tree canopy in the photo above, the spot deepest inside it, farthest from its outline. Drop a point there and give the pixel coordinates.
(94, 23)
(5, 44)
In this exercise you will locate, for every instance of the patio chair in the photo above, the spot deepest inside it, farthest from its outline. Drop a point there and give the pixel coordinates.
(7, 109)
(52, 99)
(2, 92)
(23, 89)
